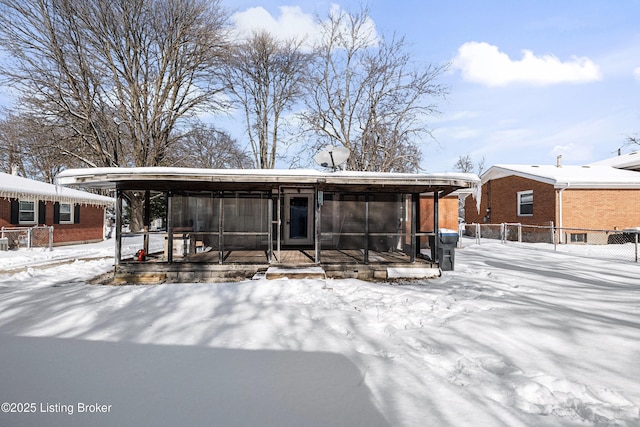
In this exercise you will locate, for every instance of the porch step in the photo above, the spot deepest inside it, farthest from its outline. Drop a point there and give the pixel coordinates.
(295, 273)
(412, 272)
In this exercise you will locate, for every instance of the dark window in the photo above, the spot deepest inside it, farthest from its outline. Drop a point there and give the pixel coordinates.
(66, 213)
(525, 203)
(578, 237)
(27, 213)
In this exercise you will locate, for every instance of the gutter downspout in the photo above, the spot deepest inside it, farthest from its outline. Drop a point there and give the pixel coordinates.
(560, 223)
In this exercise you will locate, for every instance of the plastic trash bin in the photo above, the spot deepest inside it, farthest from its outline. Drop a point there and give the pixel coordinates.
(447, 242)
(4, 244)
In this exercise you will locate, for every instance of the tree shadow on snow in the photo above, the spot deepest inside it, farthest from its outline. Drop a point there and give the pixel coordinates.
(144, 385)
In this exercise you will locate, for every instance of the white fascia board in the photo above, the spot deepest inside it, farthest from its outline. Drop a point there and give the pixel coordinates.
(107, 177)
(496, 172)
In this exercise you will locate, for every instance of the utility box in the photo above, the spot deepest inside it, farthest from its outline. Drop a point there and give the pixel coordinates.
(446, 251)
(4, 244)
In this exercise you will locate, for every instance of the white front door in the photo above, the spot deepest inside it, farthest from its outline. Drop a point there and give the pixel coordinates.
(298, 219)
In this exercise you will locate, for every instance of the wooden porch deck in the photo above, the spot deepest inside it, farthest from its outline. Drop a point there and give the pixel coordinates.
(243, 264)
(295, 257)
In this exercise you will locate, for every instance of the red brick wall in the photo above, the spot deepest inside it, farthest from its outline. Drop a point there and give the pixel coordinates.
(90, 228)
(501, 195)
(605, 209)
(5, 212)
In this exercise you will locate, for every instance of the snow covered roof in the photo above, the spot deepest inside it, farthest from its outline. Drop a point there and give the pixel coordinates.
(108, 177)
(624, 161)
(589, 176)
(17, 187)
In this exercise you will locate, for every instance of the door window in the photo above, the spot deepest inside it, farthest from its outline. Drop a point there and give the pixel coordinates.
(298, 217)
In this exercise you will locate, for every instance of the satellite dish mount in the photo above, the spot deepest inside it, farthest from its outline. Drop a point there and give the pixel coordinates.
(332, 157)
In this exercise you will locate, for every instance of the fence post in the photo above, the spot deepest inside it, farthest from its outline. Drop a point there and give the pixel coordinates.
(519, 232)
(636, 247)
(29, 236)
(503, 232)
(2, 236)
(553, 237)
(478, 232)
(51, 238)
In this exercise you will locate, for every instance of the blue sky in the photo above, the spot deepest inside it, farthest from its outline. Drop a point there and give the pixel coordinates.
(530, 80)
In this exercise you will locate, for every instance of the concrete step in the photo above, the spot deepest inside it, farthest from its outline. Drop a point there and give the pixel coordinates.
(314, 272)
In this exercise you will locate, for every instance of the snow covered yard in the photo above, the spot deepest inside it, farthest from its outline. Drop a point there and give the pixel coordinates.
(513, 337)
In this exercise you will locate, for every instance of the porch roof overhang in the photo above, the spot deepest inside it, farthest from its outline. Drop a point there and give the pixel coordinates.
(162, 178)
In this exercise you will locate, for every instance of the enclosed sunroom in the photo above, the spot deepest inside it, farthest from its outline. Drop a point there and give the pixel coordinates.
(205, 225)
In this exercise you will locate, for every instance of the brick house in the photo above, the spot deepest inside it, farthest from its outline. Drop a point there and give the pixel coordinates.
(76, 216)
(578, 197)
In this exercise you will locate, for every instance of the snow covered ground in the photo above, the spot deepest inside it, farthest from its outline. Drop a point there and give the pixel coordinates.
(512, 337)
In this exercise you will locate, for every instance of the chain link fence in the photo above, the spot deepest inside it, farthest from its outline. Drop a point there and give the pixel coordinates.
(26, 237)
(622, 245)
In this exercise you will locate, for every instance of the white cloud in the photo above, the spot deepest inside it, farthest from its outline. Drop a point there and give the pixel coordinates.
(293, 23)
(560, 149)
(484, 63)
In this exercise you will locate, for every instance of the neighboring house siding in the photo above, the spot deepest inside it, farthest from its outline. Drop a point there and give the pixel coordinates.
(471, 214)
(501, 196)
(5, 213)
(606, 209)
(89, 228)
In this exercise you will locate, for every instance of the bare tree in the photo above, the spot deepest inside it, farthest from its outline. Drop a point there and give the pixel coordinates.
(11, 151)
(465, 164)
(35, 148)
(207, 147)
(120, 74)
(265, 76)
(366, 95)
(631, 140)
(480, 165)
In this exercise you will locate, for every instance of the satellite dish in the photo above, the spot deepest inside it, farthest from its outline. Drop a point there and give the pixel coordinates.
(332, 157)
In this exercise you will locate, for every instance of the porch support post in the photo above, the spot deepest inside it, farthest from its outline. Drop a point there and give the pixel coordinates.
(414, 226)
(221, 228)
(418, 225)
(118, 226)
(270, 227)
(279, 221)
(146, 220)
(366, 228)
(317, 231)
(170, 226)
(436, 225)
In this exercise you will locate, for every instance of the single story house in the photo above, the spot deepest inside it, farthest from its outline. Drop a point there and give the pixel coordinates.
(76, 216)
(574, 197)
(206, 224)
